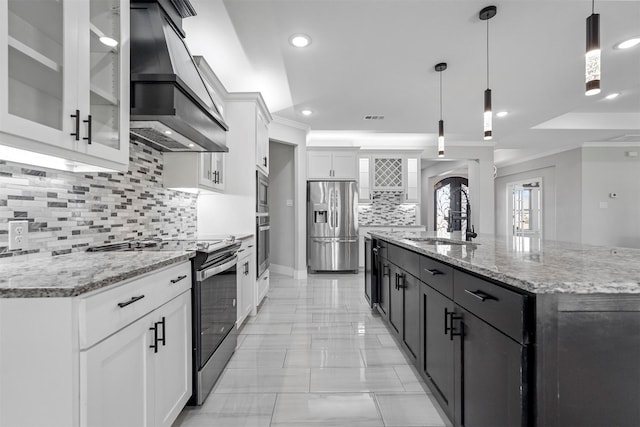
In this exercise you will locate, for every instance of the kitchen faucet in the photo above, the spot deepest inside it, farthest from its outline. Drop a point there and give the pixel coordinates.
(470, 232)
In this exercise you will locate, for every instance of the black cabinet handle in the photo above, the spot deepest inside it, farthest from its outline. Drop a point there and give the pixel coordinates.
(480, 295)
(131, 301)
(88, 122)
(452, 333)
(177, 279)
(77, 132)
(246, 268)
(396, 284)
(264, 161)
(388, 270)
(164, 331)
(446, 323)
(402, 277)
(433, 272)
(154, 346)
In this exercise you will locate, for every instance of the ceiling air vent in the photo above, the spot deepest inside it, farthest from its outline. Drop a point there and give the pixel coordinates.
(373, 117)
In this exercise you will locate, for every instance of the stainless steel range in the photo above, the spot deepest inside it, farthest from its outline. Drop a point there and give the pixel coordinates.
(213, 299)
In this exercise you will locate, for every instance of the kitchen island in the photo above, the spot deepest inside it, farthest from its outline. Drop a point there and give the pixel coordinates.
(516, 331)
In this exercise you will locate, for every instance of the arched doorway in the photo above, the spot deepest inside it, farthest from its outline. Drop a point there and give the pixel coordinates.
(450, 210)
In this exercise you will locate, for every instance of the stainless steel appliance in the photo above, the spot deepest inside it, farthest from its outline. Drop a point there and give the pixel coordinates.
(262, 223)
(213, 303)
(332, 226)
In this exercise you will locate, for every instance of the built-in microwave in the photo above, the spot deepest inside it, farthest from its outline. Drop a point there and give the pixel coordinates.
(262, 192)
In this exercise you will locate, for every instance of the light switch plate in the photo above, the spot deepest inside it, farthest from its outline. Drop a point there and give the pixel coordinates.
(289, 202)
(18, 232)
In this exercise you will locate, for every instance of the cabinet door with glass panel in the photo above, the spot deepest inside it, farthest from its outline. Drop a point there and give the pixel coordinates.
(105, 80)
(65, 64)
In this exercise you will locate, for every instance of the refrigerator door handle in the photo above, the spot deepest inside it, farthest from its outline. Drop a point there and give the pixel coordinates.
(353, 240)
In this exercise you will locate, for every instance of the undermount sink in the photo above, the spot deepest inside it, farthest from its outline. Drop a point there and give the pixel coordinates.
(438, 241)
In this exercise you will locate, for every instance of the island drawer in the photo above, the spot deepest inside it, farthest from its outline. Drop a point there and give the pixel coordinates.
(503, 309)
(437, 275)
(407, 260)
(103, 312)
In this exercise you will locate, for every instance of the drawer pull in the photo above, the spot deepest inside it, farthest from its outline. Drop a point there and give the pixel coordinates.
(433, 272)
(480, 295)
(164, 331)
(177, 279)
(131, 301)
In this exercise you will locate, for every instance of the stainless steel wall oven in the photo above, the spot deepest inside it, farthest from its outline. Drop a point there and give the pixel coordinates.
(262, 223)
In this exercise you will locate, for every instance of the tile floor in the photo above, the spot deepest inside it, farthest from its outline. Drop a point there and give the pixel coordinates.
(316, 355)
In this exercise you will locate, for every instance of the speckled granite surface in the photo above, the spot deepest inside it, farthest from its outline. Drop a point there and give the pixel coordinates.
(79, 272)
(536, 266)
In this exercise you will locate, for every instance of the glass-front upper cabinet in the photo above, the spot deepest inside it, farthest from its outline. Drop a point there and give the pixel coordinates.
(106, 84)
(64, 63)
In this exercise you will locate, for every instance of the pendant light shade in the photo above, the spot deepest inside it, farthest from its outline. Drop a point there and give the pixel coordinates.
(592, 56)
(488, 115)
(486, 14)
(440, 68)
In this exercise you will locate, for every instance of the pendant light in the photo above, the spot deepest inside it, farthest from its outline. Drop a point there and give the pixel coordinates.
(440, 68)
(592, 56)
(486, 14)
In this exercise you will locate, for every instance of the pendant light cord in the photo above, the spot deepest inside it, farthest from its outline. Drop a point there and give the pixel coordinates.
(592, 6)
(487, 54)
(440, 95)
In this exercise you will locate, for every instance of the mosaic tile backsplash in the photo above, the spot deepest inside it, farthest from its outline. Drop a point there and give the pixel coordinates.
(387, 208)
(67, 212)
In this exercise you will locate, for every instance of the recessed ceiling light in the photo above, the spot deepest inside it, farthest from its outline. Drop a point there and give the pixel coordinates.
(300, 40)
(192, 145)
(108, 41)
(612, 95)
(629, 43)
(502, 113)
(167, 132)
(306, 112)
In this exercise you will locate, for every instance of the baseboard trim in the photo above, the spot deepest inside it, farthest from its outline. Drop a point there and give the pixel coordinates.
(300, 274)
(281, 269)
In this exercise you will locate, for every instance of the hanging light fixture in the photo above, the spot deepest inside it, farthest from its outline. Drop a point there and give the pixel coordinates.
(592, 57)
(440, 68)
(486, 14)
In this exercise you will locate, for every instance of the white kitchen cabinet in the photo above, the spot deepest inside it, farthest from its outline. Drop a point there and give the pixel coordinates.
(389, 172)
(100, 368)
(194, 172)
(246, 281)
(139, 376)
(331, 164)
(68, 93)
(262, 143)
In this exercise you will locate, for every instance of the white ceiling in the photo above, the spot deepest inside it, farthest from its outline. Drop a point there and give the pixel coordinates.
(377, 57)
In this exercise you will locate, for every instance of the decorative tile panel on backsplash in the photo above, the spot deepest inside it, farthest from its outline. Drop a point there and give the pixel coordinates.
(387, 208)
(67, 212)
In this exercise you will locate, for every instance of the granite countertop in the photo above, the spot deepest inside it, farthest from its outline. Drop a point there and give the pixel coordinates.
(392, 226)
(531, 264)
(79, 272)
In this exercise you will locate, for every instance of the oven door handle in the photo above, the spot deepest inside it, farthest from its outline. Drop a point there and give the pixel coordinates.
(212, 271)
(264, 228)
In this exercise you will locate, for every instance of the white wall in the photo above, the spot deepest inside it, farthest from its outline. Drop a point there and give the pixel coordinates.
(294, 133)
(282, 217)
(604, 171)
(561, 194)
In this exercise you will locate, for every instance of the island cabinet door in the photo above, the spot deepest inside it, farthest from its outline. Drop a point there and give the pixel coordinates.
(411, 314)
(396, 303)
(489, 381)
(385, 286)
(437, 345)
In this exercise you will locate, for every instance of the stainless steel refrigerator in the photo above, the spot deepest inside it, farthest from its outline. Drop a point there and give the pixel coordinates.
(332, 226)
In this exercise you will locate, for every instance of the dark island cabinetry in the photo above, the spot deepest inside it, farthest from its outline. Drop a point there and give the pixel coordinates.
(465, 335)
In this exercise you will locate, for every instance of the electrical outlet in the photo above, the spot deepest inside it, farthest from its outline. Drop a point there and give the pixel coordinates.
(18, 232)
